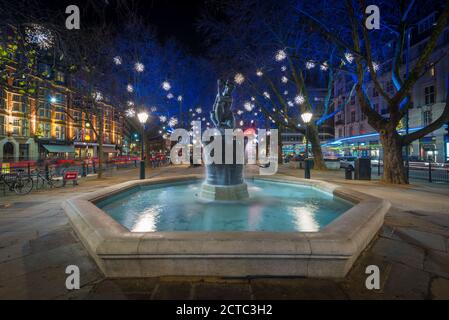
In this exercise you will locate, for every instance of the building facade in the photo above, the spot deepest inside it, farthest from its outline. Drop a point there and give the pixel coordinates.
(355, 137)
(51, 124)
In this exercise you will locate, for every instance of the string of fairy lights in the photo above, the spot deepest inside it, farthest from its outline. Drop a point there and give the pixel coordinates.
(42, 37)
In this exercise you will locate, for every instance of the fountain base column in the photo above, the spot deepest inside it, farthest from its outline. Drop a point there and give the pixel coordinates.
(224, 193)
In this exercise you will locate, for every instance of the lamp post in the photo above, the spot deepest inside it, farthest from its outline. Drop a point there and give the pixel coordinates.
(306, 118)
(143, 117)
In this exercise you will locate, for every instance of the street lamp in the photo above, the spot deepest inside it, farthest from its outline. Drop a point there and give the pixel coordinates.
(143, 117)
(306, 118)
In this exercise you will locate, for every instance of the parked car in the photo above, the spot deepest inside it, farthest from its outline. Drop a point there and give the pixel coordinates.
(347, 162)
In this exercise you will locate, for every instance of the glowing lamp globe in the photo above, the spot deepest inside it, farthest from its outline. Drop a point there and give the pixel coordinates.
(306, 117)
(142, 116)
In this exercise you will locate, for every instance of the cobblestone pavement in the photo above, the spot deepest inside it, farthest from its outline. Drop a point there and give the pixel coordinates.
(412, 251)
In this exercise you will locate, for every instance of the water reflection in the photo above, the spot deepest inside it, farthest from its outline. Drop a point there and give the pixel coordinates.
(304, 218)
(147, 221)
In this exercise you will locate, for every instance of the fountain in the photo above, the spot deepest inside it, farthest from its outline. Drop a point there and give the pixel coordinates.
(224, 181)
(287, 226)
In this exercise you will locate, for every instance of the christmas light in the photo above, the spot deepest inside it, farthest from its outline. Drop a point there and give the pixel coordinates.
(284, 79)
(299, 99)
(280, 55)
(324, 66)
(283, 68)
(266, 95)
(170, 96)
(162, 119)
(97, 96)
(248, 106)
(40, 36)
(349, 57)
(130, 112)
(130, 104)
(153, 109)
(117, 60)
(166, 85)
(310, 64)
(173, 122)
(239, 78)
(180, 98)
(139, 67)
(259, 73)
(198, 110)
(239, 112)
(129, 88)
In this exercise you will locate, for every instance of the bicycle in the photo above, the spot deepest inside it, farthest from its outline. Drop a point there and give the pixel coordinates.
(50, 180)
(20, 184)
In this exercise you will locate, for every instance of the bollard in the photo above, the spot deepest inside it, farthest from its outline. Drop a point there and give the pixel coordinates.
(307, 165)
(47, 171)
(430, 171)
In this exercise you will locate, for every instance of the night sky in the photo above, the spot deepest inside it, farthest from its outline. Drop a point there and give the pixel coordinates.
(171, 18)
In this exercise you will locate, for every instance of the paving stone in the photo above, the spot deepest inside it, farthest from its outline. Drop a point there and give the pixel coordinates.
(222, 291)
(295, 289)
(437, 262)
(354, 284)
(406, 283)
(168, 290)
(399, 251)
(440, 289)
(422, 239)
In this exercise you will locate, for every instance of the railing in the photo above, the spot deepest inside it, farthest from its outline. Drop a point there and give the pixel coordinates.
(58, 167)
(429, 171)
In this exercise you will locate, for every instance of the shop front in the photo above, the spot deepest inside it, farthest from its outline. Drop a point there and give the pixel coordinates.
(55, 149)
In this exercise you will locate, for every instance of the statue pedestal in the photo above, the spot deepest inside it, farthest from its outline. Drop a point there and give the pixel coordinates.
(225, 193)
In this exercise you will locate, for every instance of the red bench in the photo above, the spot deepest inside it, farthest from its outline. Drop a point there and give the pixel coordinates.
(70, 176)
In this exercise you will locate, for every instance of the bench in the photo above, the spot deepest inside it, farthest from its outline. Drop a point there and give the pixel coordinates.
(70, 176)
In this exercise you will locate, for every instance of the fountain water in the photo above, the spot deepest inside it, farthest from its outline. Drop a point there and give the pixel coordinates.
(224, 181)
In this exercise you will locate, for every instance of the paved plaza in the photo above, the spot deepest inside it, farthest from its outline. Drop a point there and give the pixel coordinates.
(412, 250)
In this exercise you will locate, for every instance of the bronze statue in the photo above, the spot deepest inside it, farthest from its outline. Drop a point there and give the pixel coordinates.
(221, 114)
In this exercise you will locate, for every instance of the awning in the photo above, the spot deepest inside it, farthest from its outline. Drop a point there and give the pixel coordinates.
(109, 150)
(59, 149)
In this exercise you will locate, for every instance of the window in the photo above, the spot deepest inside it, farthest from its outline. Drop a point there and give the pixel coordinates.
(426, 24)
(59, 113)
(353, 116)
(44, 130)
(25, 130)
(2, 125)
(340, 132)
(44, 110)
(59, 77)
(16, 125)
(429, 94)
(77, 116)
(60, 132)
(2, 99)
(427, 117)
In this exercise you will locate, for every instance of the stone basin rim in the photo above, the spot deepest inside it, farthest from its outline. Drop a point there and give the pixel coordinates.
(341, 241)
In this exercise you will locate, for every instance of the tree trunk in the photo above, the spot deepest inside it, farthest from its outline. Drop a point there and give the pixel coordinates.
(394, 169)
(318, 159)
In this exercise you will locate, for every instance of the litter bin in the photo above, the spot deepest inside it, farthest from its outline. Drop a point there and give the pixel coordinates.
(348, 173)
(362, 169)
